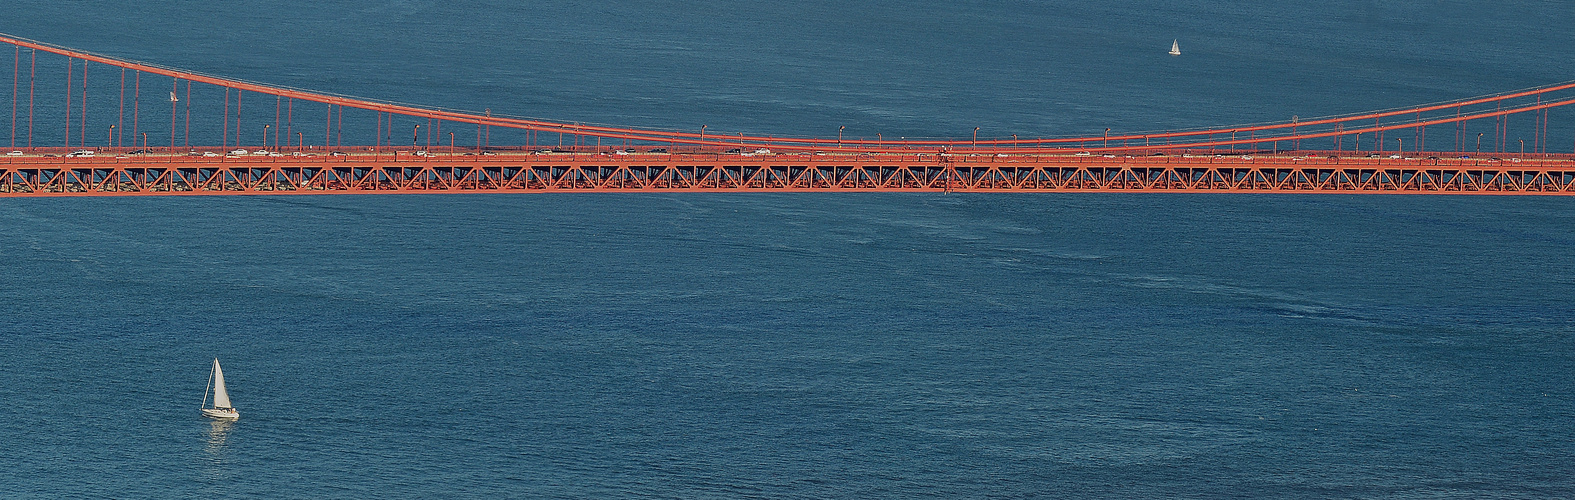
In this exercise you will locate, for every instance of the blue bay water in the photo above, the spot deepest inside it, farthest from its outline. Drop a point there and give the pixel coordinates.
(806, 345)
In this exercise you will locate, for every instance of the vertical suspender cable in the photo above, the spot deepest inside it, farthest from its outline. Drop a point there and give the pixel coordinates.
(187, 142)
(82, 130)
(136, 107)
(120, 113)
(32, 82)
(16, 75)
(1536, 127)
(174, 106)
(69, 64)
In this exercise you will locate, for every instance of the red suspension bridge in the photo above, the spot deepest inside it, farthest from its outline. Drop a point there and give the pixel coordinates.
(72, 134)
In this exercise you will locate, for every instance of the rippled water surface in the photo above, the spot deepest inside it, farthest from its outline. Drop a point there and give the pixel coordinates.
(806, 345)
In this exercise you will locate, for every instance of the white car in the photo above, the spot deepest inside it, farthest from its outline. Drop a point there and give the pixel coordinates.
(260, 152)
(14, 153)
(209, 154)
(238, 152)
(276, 155)
(82, 153)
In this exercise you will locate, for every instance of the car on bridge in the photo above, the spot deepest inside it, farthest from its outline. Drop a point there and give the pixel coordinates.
(14, 153)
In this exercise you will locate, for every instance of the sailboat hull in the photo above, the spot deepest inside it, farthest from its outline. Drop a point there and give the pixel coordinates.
(228, 414)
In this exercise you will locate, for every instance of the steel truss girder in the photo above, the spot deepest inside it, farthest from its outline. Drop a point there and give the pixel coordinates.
(592, 175)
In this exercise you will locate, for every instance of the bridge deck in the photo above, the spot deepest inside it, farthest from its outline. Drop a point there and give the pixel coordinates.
(413, 172)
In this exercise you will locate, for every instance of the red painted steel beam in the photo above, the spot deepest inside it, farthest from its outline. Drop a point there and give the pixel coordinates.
(184, 175)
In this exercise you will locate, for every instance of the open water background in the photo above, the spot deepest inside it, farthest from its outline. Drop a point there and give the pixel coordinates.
(806, 346)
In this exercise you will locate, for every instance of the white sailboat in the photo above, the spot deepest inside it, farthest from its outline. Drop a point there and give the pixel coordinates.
(1175, 47)
(221, 398)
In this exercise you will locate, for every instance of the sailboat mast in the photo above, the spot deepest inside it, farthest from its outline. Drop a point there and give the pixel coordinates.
(209, 386)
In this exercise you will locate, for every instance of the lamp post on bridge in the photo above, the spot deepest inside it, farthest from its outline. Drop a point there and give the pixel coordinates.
(415, 135)
(1479, 143)
(1401, 146)
(839, 135)
(975, 144)
(1296, 143)
(265, 137)
(300, 142)
(111, 142)
(1522, 146)
(702, 137)
(1107, 137)
(145, 141)
(450, 142)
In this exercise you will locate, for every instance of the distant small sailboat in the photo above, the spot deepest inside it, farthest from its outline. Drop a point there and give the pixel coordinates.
(221, 398)
(1175, 47)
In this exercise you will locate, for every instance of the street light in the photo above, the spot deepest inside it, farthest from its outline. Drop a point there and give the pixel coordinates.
(451, 142)
(1401, 148)
(265, 137)
(144, 140)
(1296, 143)
(414, 135)
(702, 137)
(976, 137)
(839, 136)
(1522, 146)
(111, 142)
(1107, 137)
(1479, 142)
(300, 142)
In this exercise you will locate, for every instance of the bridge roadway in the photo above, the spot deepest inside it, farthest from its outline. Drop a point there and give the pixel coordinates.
(53, 173)
(1243, 158)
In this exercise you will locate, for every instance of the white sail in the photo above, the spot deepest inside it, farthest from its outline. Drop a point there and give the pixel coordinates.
(1175, 47)
(221, 397)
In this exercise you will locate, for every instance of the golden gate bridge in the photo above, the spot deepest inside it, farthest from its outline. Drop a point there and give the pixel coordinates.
(298, 144)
